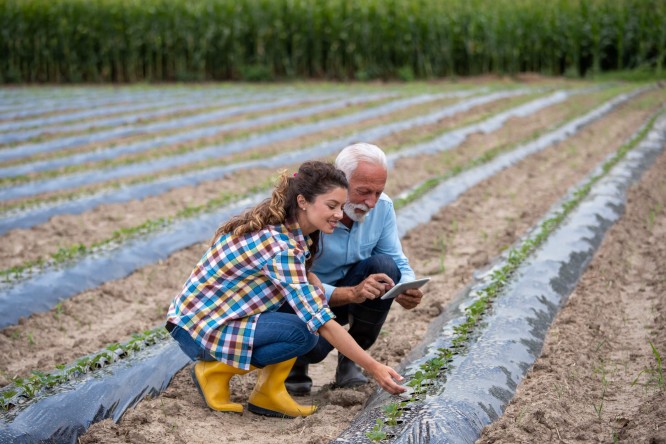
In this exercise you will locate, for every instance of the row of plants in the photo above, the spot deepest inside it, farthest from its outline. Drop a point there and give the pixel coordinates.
(491, 154)
(22, 390)
(69, 253)
(224, 136)
(72, 252)
(424, 380)
(200, 166)
(163, 40)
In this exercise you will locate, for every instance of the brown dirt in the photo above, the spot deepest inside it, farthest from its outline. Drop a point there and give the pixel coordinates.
(462, 237)
(581, 389)
(21, 245)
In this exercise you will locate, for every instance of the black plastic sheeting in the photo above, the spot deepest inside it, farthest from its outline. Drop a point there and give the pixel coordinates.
(104, 174)
(29, 218)
(484, 378)
(449, 190)
(30, 103)
(106, 393)
(44, 290)
(53, 420)
(174, 126)
(131, 114)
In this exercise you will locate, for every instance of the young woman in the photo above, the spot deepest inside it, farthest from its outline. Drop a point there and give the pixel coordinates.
(226, 317)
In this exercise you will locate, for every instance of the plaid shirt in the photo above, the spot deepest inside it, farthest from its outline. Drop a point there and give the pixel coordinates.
(240, 277)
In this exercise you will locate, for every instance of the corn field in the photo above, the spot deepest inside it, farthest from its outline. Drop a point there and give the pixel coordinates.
(201, 40)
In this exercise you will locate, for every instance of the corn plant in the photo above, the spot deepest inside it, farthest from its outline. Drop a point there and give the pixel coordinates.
(259, 40)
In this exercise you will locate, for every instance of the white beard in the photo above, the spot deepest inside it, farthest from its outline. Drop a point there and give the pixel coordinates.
(349, 211)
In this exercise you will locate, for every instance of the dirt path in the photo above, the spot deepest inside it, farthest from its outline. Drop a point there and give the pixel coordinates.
(461, 238)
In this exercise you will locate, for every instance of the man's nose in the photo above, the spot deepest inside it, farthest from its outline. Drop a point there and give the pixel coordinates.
(371, 202)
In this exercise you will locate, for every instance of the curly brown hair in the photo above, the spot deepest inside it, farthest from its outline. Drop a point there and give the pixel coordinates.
(313, 179)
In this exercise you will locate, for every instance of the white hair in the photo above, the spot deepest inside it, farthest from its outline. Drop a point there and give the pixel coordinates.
(350, 156)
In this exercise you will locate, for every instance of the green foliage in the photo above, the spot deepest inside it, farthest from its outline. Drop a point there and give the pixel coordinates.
(499, 278)
(656, 374)
(39, 382)
(256, 40)
(377, 433)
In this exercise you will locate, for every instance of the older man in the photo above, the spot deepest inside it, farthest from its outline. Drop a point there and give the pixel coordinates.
(360, 261)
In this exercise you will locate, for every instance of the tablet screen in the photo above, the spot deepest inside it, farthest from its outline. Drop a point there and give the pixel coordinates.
(401, 287)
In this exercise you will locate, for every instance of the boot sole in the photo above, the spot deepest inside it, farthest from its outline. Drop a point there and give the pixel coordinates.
(265, 412)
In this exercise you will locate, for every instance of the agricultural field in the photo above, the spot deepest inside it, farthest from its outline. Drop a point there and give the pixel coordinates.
(109, 196)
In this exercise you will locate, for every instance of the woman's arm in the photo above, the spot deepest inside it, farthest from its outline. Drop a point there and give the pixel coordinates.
(341, 340)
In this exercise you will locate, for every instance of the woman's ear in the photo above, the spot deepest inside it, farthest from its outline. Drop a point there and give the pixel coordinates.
(300, 200)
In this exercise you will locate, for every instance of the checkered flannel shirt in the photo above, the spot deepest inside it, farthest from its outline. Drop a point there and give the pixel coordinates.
(240, 277)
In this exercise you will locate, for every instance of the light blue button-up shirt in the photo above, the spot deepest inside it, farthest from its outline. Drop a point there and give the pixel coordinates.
(343, 248)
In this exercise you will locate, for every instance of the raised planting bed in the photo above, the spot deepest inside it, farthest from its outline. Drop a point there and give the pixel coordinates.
(466, 371)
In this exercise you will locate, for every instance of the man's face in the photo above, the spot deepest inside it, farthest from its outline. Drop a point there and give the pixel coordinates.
(365, 186)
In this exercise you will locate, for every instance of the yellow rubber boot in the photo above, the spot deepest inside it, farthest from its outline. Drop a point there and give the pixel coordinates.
(270, 396)
(212, 381)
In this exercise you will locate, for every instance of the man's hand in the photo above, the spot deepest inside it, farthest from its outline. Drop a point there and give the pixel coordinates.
(410, 298)
(372, 287)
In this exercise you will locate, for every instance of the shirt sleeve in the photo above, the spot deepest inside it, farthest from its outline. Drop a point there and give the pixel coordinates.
(287, 270)
(389, 243)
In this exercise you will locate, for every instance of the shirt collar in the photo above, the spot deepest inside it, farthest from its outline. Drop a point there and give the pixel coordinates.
(295, 229)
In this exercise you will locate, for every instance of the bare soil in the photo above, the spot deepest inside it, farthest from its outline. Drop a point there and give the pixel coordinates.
(603, 344)
(596, 378)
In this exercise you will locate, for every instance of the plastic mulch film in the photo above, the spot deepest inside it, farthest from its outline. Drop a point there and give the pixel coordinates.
(112, 115)
(483, 378)
(179, 130)
(63, 415)
(449, 190)
(151, 166)
(33, 216)
(44, 291)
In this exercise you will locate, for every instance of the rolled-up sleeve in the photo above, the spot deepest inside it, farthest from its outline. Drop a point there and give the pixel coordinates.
(287, 270)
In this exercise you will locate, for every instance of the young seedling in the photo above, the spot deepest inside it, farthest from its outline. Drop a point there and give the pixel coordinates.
(377, 433)
(392, 412)
(657, 374)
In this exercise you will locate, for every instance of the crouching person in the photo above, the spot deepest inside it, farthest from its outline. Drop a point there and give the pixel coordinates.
(226, 317)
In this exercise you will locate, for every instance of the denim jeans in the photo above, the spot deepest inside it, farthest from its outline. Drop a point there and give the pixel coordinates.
(371, 312)
(278, 337)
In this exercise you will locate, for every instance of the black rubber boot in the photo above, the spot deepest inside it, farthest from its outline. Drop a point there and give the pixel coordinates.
(364, 326)
(348, 374)
(298, 382)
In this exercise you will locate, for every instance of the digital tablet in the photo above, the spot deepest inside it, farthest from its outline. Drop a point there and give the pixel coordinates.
(400, 288)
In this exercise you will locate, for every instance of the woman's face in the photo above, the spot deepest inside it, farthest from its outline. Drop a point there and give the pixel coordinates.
(322, 214)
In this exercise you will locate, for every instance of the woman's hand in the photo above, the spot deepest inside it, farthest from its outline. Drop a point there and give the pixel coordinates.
(386, 377)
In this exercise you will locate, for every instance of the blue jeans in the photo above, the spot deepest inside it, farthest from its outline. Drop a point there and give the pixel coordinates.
(365, 319)
(278, 337)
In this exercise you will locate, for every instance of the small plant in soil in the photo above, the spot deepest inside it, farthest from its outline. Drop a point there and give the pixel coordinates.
(656, 374)
(377, 433)
(392, 412)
